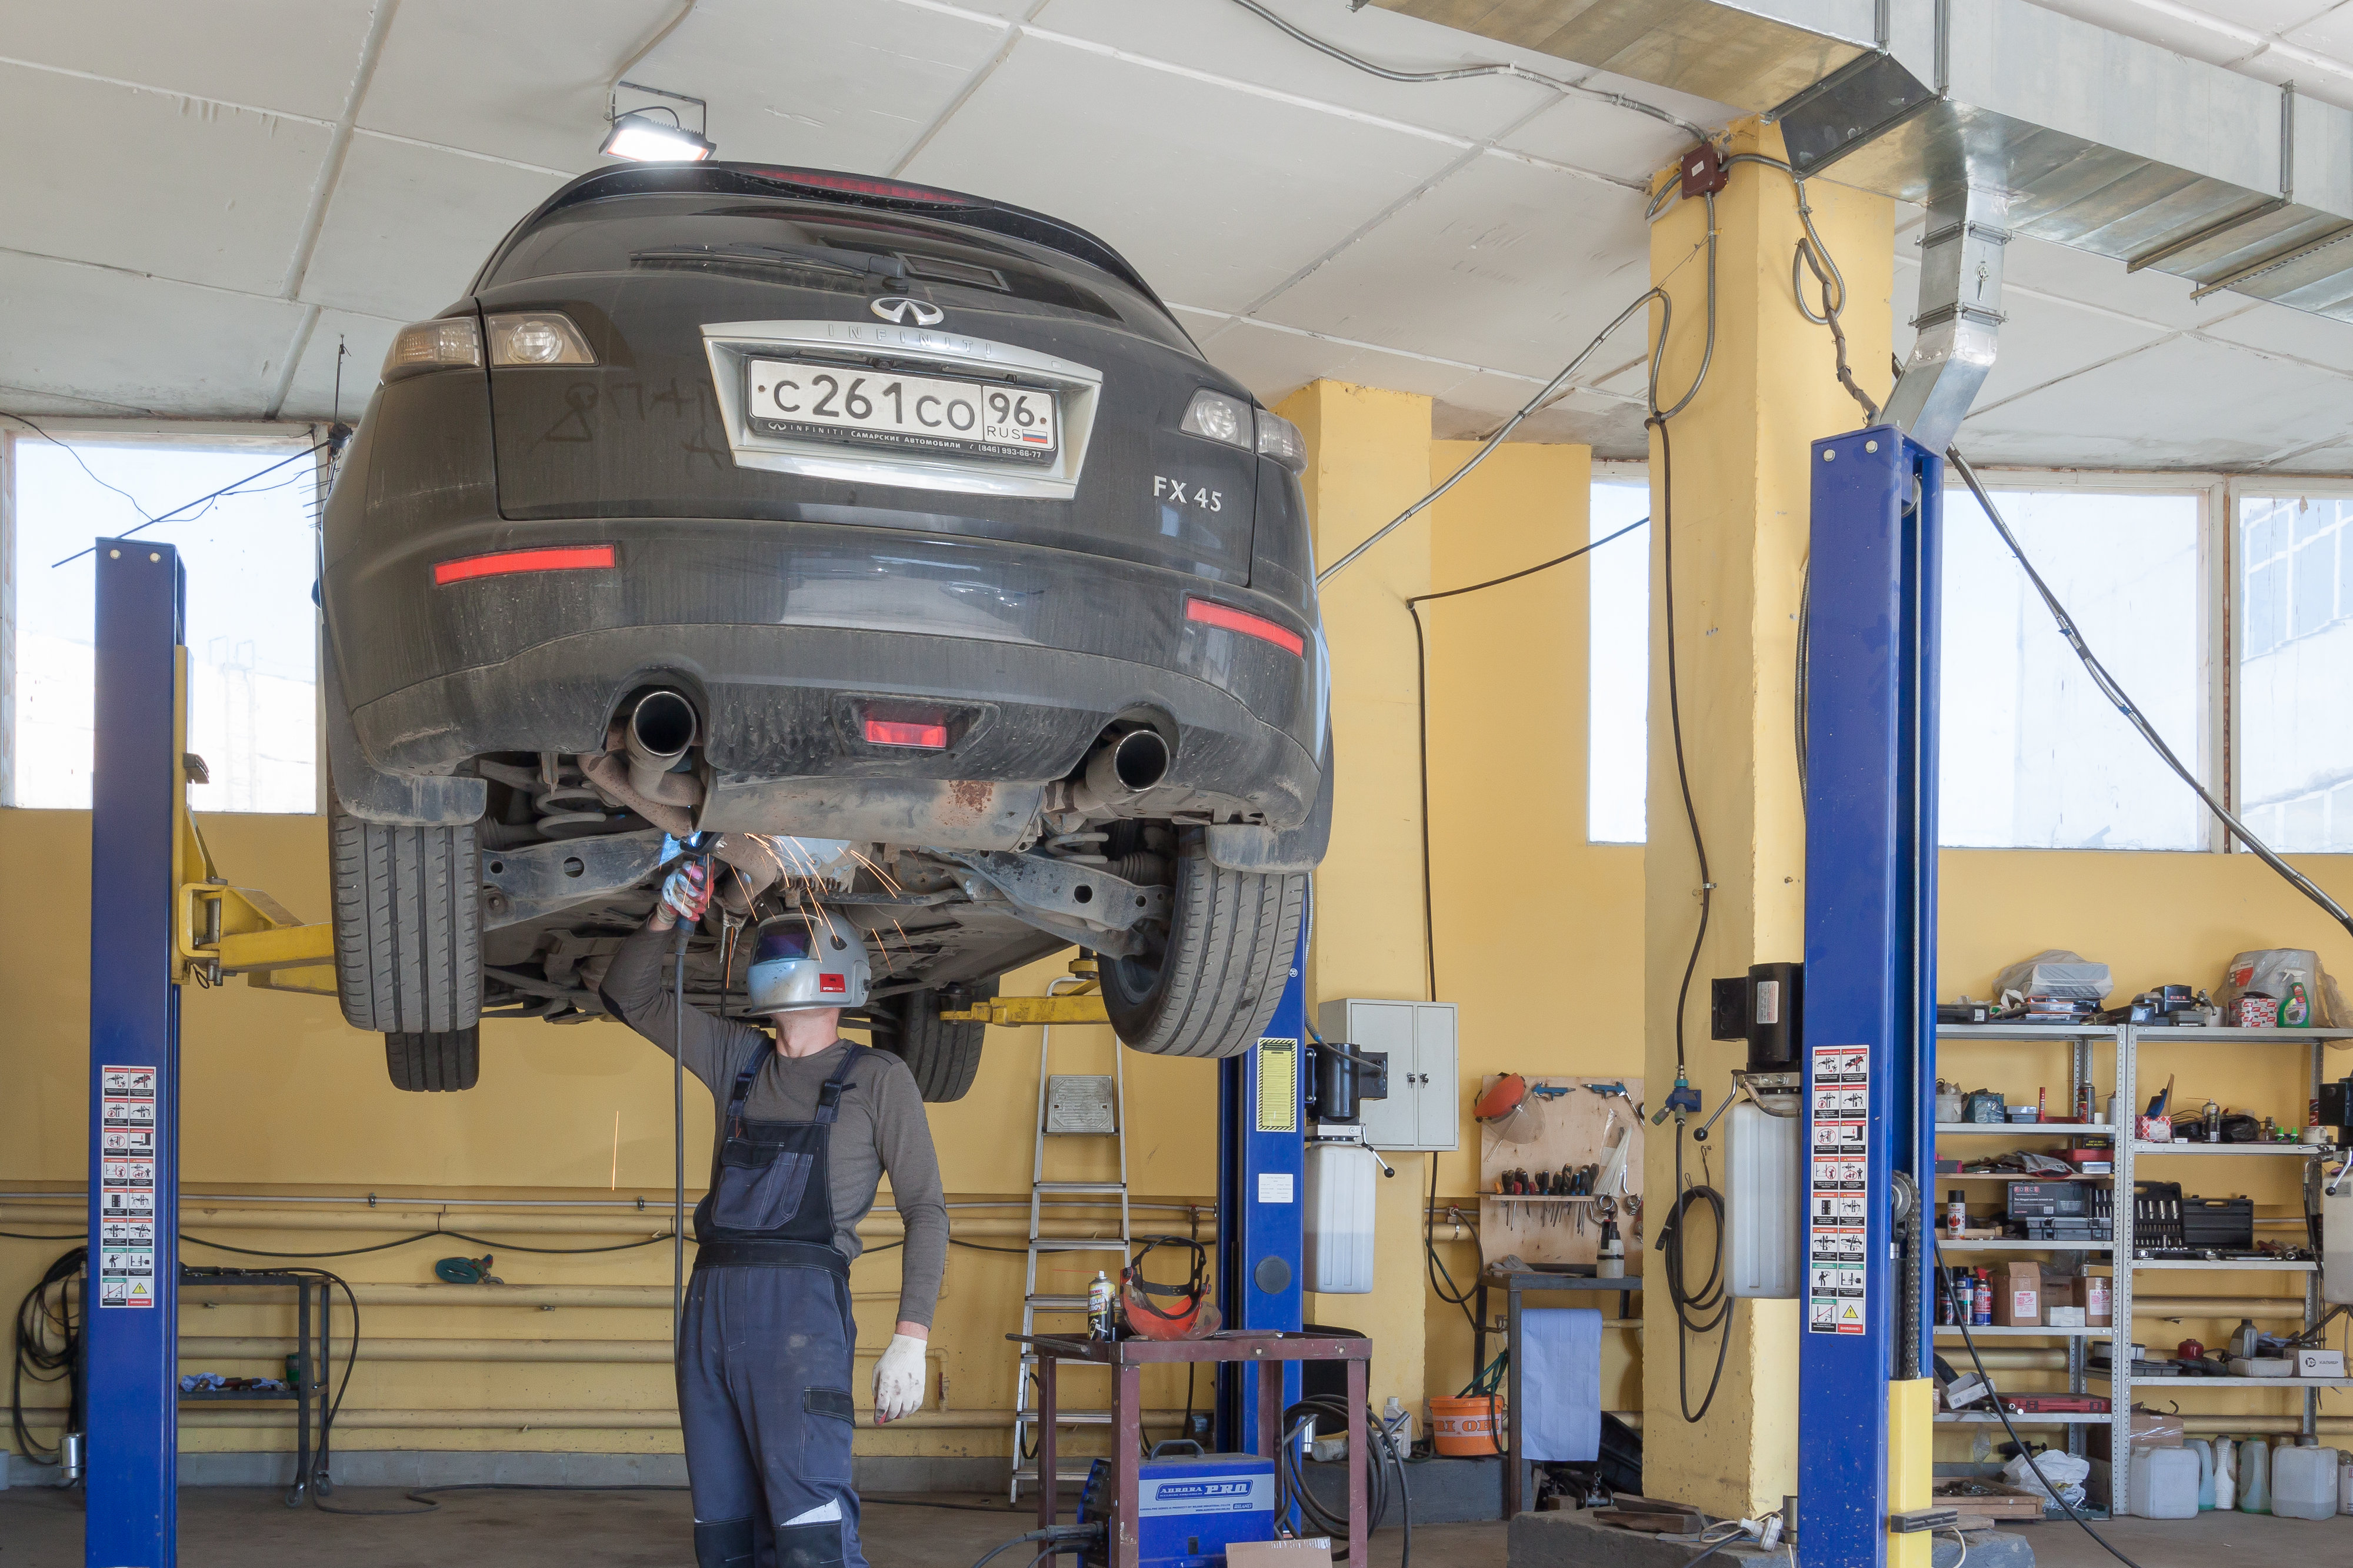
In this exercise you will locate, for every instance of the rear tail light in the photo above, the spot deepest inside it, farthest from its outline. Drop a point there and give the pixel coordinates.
(1219, 417)
(538, 338)
(1279, 438)
(1210, 612)
(904, 733)
(506, 562)
(434, 346)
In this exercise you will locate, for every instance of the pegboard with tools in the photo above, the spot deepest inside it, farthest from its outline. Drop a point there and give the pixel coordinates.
(1555, 1160)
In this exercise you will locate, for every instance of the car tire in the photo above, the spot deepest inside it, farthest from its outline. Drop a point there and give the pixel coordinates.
(408, 926)
(1213, 986)
(943, 1054)
(434, 1063)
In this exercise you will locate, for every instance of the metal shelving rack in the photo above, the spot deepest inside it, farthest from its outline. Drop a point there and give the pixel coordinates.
(2081, 1041)
(2126, 1077)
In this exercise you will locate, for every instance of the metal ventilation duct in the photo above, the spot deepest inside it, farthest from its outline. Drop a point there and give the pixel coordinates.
(2097, 141)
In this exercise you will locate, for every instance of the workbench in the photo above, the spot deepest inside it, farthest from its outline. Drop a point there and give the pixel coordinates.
(308, 1390)
(1514, 1283)
(1128, 1358)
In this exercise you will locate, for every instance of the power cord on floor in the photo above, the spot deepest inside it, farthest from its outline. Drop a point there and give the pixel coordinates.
(1291, 1483)
(1961, 1320)
(47, 1347)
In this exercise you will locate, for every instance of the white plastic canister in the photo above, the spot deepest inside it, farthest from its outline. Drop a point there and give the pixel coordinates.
(2165, 1483)
(1337, 1257)
(2303, 1483)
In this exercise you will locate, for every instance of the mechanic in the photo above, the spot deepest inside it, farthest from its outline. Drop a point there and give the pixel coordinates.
(805, 1130)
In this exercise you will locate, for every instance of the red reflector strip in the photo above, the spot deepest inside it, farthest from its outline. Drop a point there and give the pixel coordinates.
(833, 983)
(556, 558)
(893, 732)
(1210, 612)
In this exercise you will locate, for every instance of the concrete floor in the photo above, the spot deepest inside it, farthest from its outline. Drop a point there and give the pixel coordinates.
(235, 1527)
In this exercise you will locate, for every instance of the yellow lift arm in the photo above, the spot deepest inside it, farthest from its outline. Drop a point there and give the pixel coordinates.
(1014, 1012)
(218, 930)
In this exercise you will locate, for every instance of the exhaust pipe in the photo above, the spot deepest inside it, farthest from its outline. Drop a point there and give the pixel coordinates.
(1127, 765)
(660, 729)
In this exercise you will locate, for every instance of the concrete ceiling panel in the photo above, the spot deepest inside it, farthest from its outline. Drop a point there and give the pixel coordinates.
(1504, 263)
(409, 226)
(1216, 196)
(1587, 134)
(1274, 364)
(296, 56)
(156, 183)
(524, 79)
(2182, 404)
(1221, 39)
(826, 85)
(136, 343)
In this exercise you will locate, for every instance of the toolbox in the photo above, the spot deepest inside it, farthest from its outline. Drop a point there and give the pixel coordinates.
(2225, 1224)
(2157, 1214)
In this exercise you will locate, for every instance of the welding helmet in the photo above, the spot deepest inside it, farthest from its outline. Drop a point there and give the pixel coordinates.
(808, 960)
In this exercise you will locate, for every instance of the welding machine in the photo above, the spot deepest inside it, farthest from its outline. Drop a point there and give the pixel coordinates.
(1189, 1506)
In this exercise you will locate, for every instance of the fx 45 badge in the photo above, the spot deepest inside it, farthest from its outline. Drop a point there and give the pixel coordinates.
(1182, 494)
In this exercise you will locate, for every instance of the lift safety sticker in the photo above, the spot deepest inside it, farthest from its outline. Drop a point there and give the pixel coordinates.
(1838, 1190)
(126, 1186)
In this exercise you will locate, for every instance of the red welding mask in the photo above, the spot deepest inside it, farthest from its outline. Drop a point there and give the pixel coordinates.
(1170, 1311)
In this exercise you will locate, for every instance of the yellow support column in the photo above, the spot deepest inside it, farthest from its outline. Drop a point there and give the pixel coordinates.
(1369, 459)
(1737, 531)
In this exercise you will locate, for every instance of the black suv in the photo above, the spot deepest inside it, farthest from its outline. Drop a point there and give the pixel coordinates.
(899, 543)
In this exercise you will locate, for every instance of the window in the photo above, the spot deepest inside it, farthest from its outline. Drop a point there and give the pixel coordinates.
(252, 635)
(2294, 556)
(1618, 713)
(2032, 757)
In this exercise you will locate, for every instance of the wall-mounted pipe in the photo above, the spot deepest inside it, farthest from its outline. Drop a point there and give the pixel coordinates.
(233, 1415)
(882, 1224)
(545, 1298)
(650, 1203)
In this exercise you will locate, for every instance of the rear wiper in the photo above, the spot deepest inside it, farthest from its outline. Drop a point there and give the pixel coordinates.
(800, 257)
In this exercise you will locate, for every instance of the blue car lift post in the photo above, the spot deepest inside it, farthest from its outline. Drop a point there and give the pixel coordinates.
(130, 1295)
(1864, 1410)
(1261, 1164)
(158, 908)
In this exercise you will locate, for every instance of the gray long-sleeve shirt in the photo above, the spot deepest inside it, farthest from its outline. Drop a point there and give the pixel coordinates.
(879, 1126)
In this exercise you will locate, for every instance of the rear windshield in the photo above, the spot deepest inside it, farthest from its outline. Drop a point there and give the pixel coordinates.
(812, 245)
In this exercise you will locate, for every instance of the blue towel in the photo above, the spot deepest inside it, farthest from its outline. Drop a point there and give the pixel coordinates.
(1560, 1383)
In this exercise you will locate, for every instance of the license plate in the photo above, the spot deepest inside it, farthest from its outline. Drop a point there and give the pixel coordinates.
(919, 413)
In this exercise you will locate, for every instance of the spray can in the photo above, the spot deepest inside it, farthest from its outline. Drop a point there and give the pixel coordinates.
(1956, 1213)
(1981, 1309)
(1099, 1307)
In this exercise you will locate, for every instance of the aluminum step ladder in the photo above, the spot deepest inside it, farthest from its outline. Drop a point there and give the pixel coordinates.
(1068, 1106)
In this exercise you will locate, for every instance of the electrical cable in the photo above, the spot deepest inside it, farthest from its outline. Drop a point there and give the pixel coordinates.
(49, 1347)
(428, 1236)
(678, 1116)
(1961, 1320)
(1291, 1483)
(2109, 689)
(1461, 73)
(1709, 1308)
(1059, 1538)
(1530, 407)
(1435, 1267)
(1422, 668)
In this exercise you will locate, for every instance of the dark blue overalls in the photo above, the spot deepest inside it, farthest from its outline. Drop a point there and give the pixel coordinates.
(764, 1354)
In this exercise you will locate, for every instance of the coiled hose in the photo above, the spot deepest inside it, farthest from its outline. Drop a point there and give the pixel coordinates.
(1291, 1483)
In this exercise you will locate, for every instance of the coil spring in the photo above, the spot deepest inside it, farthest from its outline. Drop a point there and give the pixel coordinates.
(565, 799)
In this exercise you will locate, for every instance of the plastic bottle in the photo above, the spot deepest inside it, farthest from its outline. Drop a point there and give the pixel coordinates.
(2254, 1477)
(2226, 1475)
(1099, 1307)
(2205, 1452)
(2295, 1003)
(2345, 1481)
(1397, 1421)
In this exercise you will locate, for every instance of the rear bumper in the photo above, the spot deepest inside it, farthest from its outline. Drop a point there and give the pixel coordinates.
(779, 630)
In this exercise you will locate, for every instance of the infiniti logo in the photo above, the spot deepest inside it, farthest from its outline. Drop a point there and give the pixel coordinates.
(907, 313)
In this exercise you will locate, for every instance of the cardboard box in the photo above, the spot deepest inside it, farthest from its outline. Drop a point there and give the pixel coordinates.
(2064, 1317)
(2018, 1296)
(2095, 1293)
(1306, 1551)
(2319, 1363)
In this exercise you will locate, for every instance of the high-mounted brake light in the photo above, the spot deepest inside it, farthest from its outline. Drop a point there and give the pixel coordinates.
(1210, 612)
(858, 185)
(898, 733)
(505, 563)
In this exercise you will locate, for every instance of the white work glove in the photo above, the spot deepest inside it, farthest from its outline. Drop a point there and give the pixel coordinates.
(899, 1379)
(686, 891)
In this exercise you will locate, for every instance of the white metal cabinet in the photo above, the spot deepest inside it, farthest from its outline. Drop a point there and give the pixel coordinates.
(1423, 1110)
